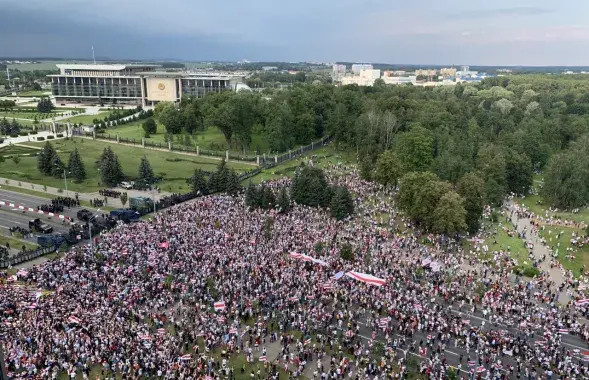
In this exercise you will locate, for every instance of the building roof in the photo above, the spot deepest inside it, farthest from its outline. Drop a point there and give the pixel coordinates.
(101, 67)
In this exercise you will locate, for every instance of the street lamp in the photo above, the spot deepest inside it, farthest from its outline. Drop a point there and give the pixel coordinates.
(90, 229)
(64, 179)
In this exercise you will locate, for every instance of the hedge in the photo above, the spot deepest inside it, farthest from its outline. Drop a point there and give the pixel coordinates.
(23, 134)
(59, 135)
(40, 138)
(1, 141)
(14, 135)
(50, 137)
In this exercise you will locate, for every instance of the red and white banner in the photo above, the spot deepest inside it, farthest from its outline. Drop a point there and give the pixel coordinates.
(582, 302)
(263, 358)
(185, 357)
(366, 278)
(219, 306)
(75, 320)
(34, 210)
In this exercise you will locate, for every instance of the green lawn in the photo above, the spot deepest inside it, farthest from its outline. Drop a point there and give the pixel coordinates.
(175, 168)
(16, 149)
(34, 93)
(17, 243)
(211, 139)
(562, 244)
(31, 115)
(86, 119)
(325, 156)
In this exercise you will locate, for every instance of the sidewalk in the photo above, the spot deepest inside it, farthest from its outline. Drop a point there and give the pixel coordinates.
(540, 251)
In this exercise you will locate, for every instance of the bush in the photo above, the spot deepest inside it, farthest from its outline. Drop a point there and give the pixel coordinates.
(23, 134)
(50, 137)
(59, 135)
(14, 135)
(531, 271)
(40, 138)
(33, 133)
(1, 141)
(346, 252)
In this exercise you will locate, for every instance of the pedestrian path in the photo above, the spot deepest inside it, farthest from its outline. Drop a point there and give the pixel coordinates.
(540, 252)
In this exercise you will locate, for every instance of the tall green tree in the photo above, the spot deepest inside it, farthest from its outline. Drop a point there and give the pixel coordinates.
(44, 105)
(310, 188)
(342, 204)
(145, 172)
(253, 198)
(233, 187)
(471, 188)
(283, 201)
(449, 214)
(415, 149)
(566, 180)
(389, 168)
(76, 166)
(518, 172)
(198, 182)
(111, 172)
(491, 163)
(46, 159)
(149, 127)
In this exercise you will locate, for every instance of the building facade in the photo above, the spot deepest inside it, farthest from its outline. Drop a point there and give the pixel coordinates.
(358, 67)
(133, 84)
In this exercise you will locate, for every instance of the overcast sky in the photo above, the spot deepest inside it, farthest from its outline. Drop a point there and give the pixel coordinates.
(499, 32)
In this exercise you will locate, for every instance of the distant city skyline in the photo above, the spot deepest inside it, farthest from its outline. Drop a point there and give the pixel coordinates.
(422, 32)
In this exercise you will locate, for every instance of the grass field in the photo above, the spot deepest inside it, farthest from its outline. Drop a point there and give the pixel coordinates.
(34, 93)
(326, 156)
(211, 139)
(17, 243)
(85, 119)
(10, 150)
(43, 65)
(561, 245)
(175, 168)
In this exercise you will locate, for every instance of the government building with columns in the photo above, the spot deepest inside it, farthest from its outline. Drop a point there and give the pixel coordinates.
(134, 84)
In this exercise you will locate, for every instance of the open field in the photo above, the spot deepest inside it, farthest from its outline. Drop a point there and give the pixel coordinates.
(34, 93)
(324, 157)
(16, 150)
(211, 139)
(17, 243)
(85, 119)
(43, 65)
(561, 245)
(175, 168)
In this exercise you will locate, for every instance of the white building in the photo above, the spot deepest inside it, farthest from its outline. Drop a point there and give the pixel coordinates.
(365, 78)
(358, 67)
(338, 71)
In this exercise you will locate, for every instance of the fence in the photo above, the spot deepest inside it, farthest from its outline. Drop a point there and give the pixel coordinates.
(263, 161)
(26, 256)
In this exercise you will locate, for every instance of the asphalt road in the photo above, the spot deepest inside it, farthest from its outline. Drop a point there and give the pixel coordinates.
(10, 218)
(33, 201)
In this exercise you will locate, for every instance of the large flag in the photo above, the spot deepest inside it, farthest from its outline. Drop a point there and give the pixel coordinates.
(263, 358)
(185, 357)
(338, 275)
(219, 305)
(22, 273)
(582, 302)
(366, 278)
(165, 244)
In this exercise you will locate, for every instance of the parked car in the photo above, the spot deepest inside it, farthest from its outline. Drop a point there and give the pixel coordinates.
(127, 185)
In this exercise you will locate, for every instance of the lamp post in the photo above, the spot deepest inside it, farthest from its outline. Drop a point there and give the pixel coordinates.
(64, 179)
(90, 229)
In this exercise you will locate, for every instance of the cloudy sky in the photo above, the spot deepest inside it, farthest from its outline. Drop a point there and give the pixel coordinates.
(499, 32)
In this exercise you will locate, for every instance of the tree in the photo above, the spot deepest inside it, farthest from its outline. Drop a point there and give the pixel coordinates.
(149, 127)
(415, 149)
(253, 197)
(111, 172)
(46, 159)
(267, 198)
(198, 182)
(76, 166)
(566, 180)
(449, 214)
(366, 168)
(283, 201)
(491, 163)
(44, 105)
(218, 179)
(388, 168)
(5, 126)
(58, 167)
(310, 188)
(471, 188)
(233, 186)
(124, 198)
(171, 118)
(346, 252)
(341, 205)
(145, 171)
(518, 171)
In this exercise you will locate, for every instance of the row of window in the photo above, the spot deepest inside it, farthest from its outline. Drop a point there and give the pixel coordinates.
(95, 91)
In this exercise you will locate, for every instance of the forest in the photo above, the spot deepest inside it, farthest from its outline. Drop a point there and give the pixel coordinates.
(499, 131)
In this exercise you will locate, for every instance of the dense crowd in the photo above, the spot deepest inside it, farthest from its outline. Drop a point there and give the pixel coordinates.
(210, 280)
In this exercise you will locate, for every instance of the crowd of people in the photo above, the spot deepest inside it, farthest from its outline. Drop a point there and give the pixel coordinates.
(208, 284)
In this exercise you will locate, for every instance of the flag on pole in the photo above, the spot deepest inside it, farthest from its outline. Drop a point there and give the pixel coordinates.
(263, 358)
(161, 331)
(563, 331)
(185, 357)
(74, 320)
(471, 363)
(307, 341)
(383, 322)
(219, 306)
